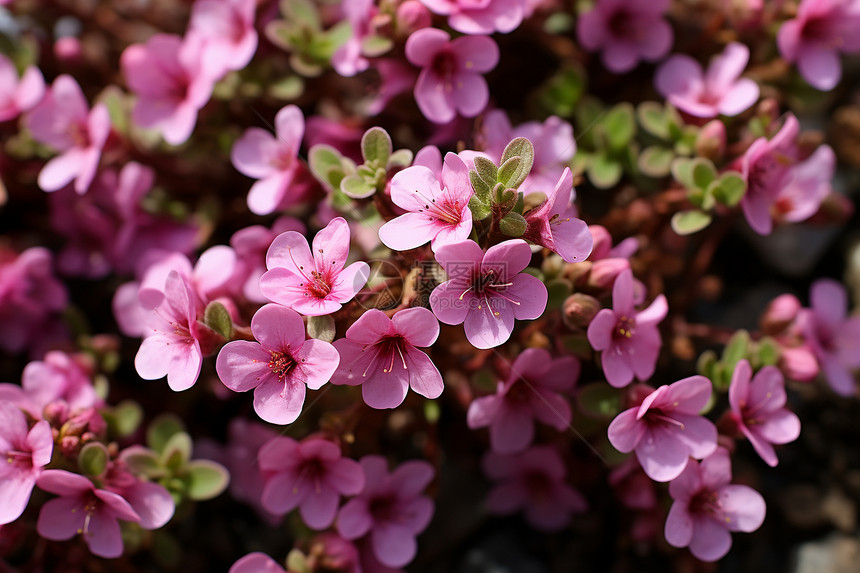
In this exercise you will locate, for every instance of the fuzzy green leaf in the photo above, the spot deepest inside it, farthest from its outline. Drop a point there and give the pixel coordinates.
(620, 125)
(730, 188)
(218, 319)
(161, 430)
(376, 146)
(93, 459)
(487, 170)
(357, 187)
(656, 161)
(513, 224)
(522, 148)
(401, 158)
(689, 222)
(603, 171)
(480, 210)
(206, 479)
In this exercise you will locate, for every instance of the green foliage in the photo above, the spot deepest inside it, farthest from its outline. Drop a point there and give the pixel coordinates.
(218, 319)
(513, 224)
(93, 459)
(689, 222)
(561, 93)
(599, 401)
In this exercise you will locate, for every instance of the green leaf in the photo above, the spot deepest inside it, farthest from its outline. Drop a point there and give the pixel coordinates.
(480, 210)
(562, 92)
(656, 161)
(323, 159)
(487, 170)
(620, 125)
(401, 158)
(375, 45)
(603, 171)
(523, 148)
(703, 173)
(126, 417)
(177, 451)
(287, 89)
(334, 38)
(357, 187)
(161, 430)
(730, 188)
(768, 351)
(557, 292)
(302, 12)
(689, 222)
(652, 118)
(482, 189)
(144, 461)
(599, 401)
(321, 327)
(508, 172)
(706, 363)
(93, 459)
(737, 348)
(376, 146)
(682, 171)
(218, 319)
(513, 224)
(206, 479)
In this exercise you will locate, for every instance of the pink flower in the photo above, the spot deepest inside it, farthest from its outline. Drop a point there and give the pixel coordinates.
(171, 84)
(628, 338)
(666, 428)
(553, 142)
(348, 60)
(310, 474)
(833, 336)
(553, 223)
(810, 184)
(256, 563)
(758, 409)
(708, 506)
(172, 347)
(250, 245)
(81, 508)
(315, 284)
(766, 166)
(395, 78)
(437, 211)
(487, 291)
(822, 29)
(533, 482)
(390, 508)
(31, 297)
(530, 392)
(716, 92)
(280, 367)
(23, 453)
(380, 354)
(151, 501)
(63, 120)
(273, 160)
(450, 81)
(59, 377)
(482, 17)
(18, 95)
(626, 31)
(227, 30)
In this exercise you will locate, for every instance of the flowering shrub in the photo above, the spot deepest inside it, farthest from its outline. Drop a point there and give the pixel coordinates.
(308, 198)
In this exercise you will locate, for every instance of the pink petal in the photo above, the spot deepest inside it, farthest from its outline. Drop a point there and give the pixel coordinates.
(660, 455)
(410, 478)
(680, 75)
(711, 541)
(423, 45)
(283, 492)
(622, 293)
(424, 377)
(41, 443)
(691, 394)
(16, 486)
(331, 245)
(318, 360)
(780, 427)
(242, 365)
(413, 187)
(279, 454)
(739, 98)
(433, 99)
(507, 258)
(740, 386)
(61, 170)
(506, 498)
(551, 409)
(370, 327)
(482, 411)
(447, 305)
(61, 518)
(698, 434)
(625, 432)
(688, 483)
(290, 127)
(417, 325)
(601, 328)
(279, 402)
(512, 430)
(267, 195)
(151, 502)
(290, 251)
(617, 367)
(349, 281)
(354, 362)
(820, 67)
(319, 508)
(455, 178)
(382, 390)
(679, 525)
(726, 68)
(393, 544)
(408, 231)
(253, 152)
(744, 507)
(573, 241)
(30, 90)
(655, 312)
(346, 476)
(354, 520)
(64, 483)
(829, 301)
(278, 328)
(488, 326)
(256, 563)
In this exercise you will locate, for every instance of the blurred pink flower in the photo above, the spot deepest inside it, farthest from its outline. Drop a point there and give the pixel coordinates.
(626, 31)
(349, 60)
(628, 339)
(59, 377)
(487, 291)
(531, 392)
(437, 209)
(832, 334)
(381, 354)
(18, 95)
(809, 186)
(481, 17)
(273, 160)
(63, 121)
(450, 81)
(813, 39)
(390, 508)
(256, 563)
(313, 284)
(708, 506)
(395, 78)
(533, 482)
(81, 508)
(666, 428)
(24, 452)
(226, 28)
(150, 500)
(168, 76)
(758, 409)
(280, 367)
(707, 94)
(310, 475)
(553, 224)
(553, 142)
(250, 245)
(632, 486)
(603, 248)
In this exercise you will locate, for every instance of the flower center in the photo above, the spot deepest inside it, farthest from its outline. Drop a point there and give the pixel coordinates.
(281, 364)
(625, 25)
(705, 502)
(538, 484)
(486, 284)
(19, 459)
(624, 328)
(445, 66)
(283, 160)
(382, 508)
(444, 211)
(80, 134)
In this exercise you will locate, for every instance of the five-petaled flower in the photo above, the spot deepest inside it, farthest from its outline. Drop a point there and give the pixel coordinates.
(280, 367)
(315, 283)
(23, 453)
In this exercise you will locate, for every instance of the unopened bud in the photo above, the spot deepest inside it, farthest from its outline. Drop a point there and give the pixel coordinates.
(603, 272)
(711, 141)
(412, 15)
(798, 363)
(602, 242)
(578, 310)
(780, 313)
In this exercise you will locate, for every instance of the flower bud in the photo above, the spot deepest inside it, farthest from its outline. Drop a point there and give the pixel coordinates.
(602, 242)
(67, 49)
(798, 363)
(711, 141)
(412, 15)
(578, 310)
(780, 313)
(603, 272)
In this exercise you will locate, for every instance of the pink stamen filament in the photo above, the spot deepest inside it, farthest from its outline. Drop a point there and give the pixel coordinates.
(444, 211)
